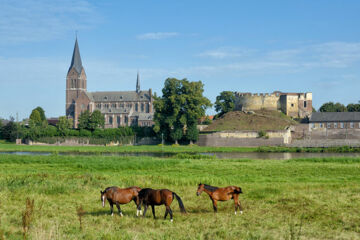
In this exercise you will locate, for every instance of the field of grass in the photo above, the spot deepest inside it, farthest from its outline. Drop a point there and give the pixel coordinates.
(283, 199)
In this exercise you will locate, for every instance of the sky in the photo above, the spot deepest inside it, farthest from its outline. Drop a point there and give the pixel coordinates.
(244, 46)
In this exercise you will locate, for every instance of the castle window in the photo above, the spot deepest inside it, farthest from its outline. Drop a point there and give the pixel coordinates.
(147, 108)
(292, 105)
(120, 97)
(351, 125)
(328, 125)
(341, 125)
(304, 104)
(335, 125)
(105, 97)
(142, 107)
(82, 106)
(321, 125)
(110, 120)
(126, 119)
(118, 120)
(121, 105)
(136, 107)
(113, 105)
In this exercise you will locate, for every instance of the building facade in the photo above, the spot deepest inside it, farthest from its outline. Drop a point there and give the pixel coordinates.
(120, 108)
(297, 105)
(334, 120)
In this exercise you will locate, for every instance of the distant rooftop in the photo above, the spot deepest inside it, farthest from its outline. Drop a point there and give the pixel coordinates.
(335, 117)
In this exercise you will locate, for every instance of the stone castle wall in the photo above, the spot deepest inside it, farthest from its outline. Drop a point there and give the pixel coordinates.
(292, 104)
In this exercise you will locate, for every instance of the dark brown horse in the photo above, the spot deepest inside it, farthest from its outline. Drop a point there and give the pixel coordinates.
(117, 196)
(221, 194)
(152, 197)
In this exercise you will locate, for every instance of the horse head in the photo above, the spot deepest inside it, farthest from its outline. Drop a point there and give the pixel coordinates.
(103, 197)
(200, 189)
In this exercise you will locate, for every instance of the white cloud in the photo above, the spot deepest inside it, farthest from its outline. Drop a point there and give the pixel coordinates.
(227, 52)
(157, 35)
(39, 20)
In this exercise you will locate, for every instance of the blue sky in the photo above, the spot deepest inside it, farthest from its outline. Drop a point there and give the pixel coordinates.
(246, 46)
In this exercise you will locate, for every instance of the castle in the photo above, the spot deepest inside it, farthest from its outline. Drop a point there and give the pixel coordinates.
(297, 105)
(122, 108)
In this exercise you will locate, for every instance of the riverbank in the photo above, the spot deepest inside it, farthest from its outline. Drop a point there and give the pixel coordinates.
(6, 147)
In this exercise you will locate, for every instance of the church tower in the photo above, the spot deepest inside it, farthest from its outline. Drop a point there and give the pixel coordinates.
(75, 82)
(138, 83)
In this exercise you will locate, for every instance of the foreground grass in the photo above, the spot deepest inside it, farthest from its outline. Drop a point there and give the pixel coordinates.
(289, 199)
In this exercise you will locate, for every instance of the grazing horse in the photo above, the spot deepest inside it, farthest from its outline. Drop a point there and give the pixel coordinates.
(148, 196)
(221, 194)
(117, 196)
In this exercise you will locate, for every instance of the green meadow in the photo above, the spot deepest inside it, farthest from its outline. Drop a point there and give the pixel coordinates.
(283, 199)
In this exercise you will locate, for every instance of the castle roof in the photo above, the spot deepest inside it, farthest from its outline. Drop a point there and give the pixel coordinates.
(121, 96)
(335, 117)
(76, 59)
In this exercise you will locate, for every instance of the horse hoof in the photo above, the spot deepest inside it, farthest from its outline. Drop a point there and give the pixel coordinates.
(235, 212)
(241, 212)
(112, 214)
(171, 220)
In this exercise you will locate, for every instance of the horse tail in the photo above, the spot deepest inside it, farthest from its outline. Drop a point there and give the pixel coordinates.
(181, 204)
(238, 190)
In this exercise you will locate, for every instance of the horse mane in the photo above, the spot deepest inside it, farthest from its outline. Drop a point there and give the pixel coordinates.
(108, 188)
(210, 188)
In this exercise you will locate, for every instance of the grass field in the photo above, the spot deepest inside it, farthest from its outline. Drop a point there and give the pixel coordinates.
(283, 199)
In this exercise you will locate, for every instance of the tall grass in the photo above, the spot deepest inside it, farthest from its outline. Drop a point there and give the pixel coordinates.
(282, 199)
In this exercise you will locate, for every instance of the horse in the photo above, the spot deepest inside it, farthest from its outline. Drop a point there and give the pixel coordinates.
(117, 196)
(221, 194)
(148, 196)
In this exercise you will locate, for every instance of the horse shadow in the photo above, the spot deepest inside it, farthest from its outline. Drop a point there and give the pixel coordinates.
(97, 213)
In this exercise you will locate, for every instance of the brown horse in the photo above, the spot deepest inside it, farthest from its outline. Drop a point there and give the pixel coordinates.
(117, 196)
(221, 194)
(148, 196)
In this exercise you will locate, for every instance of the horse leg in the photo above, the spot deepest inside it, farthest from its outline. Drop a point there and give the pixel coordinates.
(138, 206)
(214, 205)
(241, 208)
(111, 209)
(119, 209)
(171, 215)
(166, 211)
(145, 208)
(153, 211)
(236, 199)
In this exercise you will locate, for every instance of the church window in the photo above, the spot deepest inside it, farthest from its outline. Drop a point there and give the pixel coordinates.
(142, 107)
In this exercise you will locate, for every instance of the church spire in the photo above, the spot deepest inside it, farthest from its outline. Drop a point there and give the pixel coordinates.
(76, 59)
(138, 83)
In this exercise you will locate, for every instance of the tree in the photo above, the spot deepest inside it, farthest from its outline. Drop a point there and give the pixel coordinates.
(353, 107)
(64, 125)
(35, 118)
(42, 113)
(1, 128)
(84, 120)
(10, 131)
(225, 102)
(331, 107)
(192, 133)
(97, 120)
(179, 108)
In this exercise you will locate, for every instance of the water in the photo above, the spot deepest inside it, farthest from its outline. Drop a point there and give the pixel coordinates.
(229, 155)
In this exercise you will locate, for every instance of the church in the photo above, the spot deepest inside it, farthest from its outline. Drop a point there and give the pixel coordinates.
(120, 108)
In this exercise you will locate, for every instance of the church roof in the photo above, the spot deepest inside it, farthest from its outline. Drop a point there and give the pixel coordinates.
(76, 59)
(122, 96)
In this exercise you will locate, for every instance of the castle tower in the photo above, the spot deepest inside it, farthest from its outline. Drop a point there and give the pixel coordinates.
(138, 83)
(75, 82)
